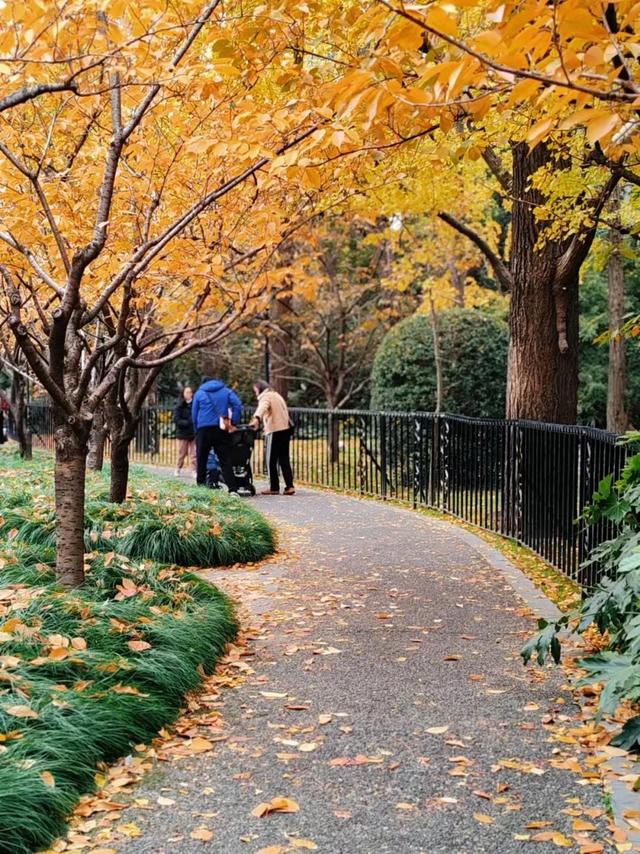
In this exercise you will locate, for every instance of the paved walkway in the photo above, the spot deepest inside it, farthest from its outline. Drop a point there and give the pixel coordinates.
(383, 693)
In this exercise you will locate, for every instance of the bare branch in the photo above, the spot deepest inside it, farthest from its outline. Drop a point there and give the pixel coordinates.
(28, 93)
(501, 270)
(493, 161)
(33, 261)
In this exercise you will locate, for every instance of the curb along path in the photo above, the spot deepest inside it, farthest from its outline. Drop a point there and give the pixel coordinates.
(384, 695)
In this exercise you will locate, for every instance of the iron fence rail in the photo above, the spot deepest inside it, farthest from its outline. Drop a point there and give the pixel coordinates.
(524, 480)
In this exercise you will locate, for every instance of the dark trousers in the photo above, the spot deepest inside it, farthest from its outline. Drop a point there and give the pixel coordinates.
(220, 441)
(278, 455)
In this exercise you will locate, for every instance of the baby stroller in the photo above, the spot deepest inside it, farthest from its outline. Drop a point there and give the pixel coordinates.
(242, 442)
(214, 475)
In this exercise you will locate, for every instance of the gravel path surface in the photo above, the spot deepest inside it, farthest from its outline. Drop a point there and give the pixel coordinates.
(382, 691)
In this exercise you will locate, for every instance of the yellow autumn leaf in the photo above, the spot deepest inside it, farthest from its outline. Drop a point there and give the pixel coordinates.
(200, 745)
(48, 779)
(202, 833)
(130, 829)
(275, 805)
(601, 127)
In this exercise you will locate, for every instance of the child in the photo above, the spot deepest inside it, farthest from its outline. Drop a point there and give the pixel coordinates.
(213, 471)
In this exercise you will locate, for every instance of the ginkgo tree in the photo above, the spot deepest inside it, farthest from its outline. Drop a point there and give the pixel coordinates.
(547, 95)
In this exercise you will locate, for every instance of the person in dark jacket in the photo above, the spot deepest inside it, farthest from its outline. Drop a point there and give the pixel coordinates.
(185, 433)
(216, 409)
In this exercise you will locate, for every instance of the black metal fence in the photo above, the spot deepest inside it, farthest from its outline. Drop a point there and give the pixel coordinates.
(524, 480)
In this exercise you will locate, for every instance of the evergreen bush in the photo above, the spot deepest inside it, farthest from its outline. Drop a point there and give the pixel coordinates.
(473, 346)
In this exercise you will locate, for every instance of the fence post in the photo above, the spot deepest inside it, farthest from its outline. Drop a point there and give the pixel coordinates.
(417, 460)
(518, 492)
(382, 433)
(443, 432)
(585, 489)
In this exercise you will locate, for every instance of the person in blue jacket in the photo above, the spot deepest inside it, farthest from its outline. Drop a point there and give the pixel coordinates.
(215, 410)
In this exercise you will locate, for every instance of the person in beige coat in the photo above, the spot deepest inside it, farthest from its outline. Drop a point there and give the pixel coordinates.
(273, 414)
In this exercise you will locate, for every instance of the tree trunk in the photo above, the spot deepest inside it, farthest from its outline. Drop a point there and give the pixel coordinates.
(542, 382)
(69, 477)
(119, 469)
(97, 439)
(279, 348)
(19, 413)
(617, 418)
(23, 433)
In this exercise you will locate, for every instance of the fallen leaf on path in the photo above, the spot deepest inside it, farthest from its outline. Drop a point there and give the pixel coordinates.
(401, 805)
(275, 805)
(483, 818)
(480, 794)
(273, 695)
(131, 830)
(308, 844)
(324, 719)
(553, 836)
(356, 760)
(308, 747)
(580, 825)
(437, 730)
(202, 833)
(200, 745)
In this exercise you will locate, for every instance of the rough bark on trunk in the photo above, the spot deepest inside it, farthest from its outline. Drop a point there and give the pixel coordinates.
(279, 348)
(19, 413)
(542, 380)
(97, 439)
(69, 477)
(23, 433)
(119, 469)
(617, 417)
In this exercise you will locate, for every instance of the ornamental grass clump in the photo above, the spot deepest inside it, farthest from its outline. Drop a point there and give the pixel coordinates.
(160, 521)
(612, 609)
(87, 673)
(84, 675)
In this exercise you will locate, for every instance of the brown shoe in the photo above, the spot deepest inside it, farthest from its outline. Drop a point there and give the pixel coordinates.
(270, 492)
(290, 491)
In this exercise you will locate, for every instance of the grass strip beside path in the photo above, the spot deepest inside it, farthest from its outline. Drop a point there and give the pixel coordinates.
(86, 674)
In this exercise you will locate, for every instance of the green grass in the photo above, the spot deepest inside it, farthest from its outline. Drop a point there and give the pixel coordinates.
(162, 520)
(86, 674)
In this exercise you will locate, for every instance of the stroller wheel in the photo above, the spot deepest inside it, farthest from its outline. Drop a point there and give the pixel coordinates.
(252, 489)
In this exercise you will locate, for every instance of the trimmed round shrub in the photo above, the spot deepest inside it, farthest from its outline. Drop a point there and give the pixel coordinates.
(473, 346)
